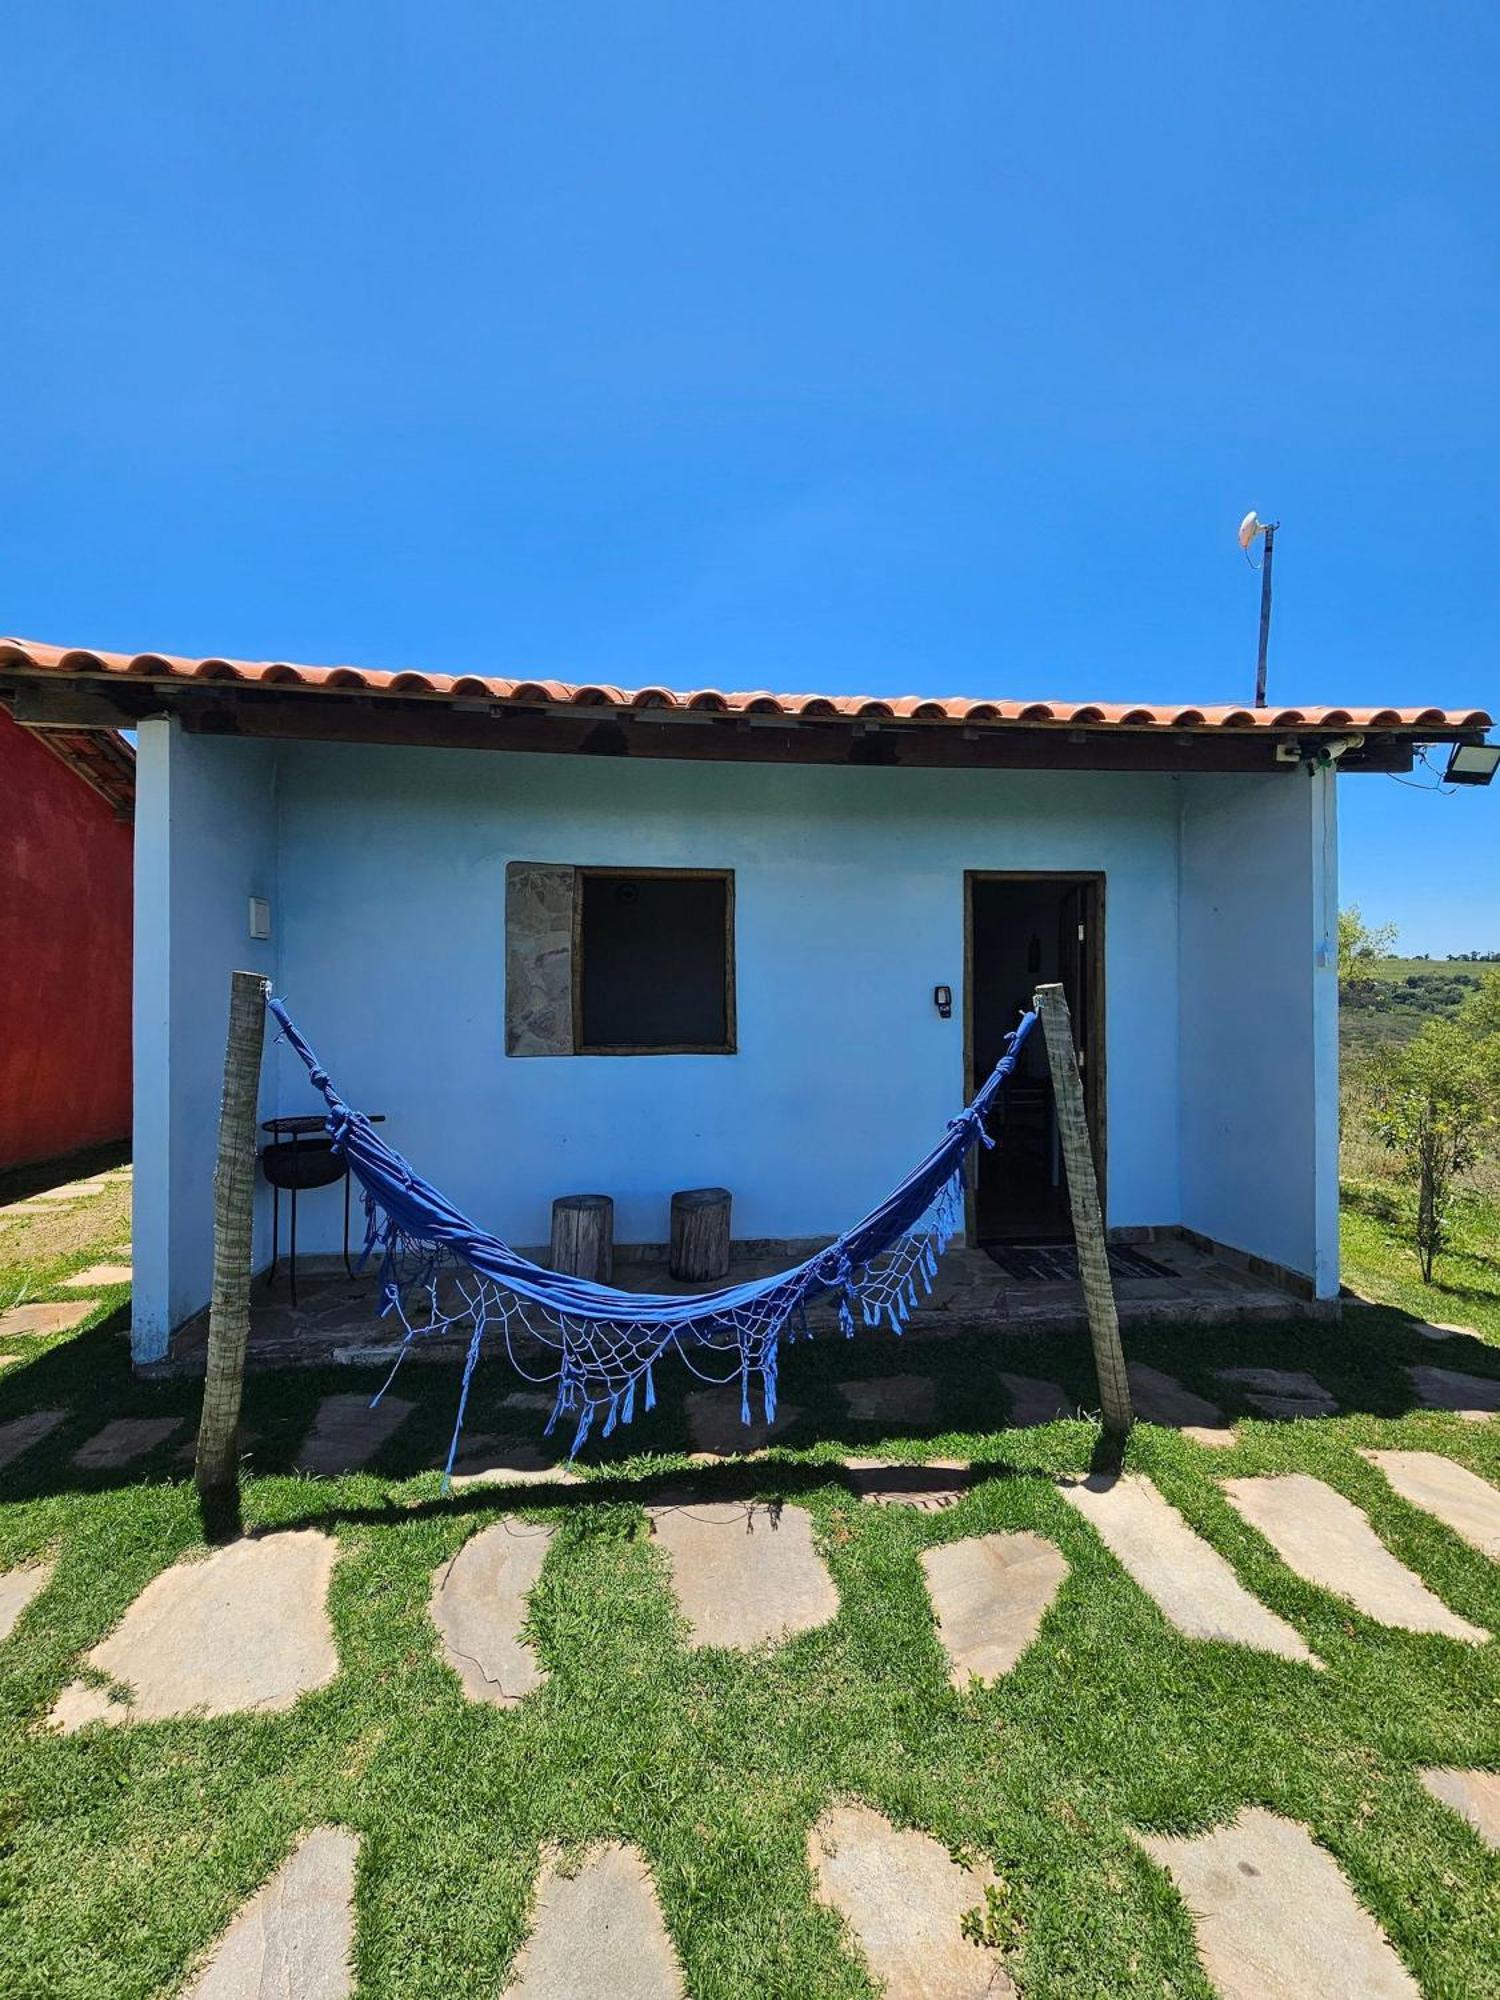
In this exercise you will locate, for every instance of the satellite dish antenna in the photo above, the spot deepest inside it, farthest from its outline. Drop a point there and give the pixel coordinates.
(1250, 528)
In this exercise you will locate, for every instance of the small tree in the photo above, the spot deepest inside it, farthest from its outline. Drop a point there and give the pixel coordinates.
(1359, 942)
(1433, 1100)
(1480, 1013)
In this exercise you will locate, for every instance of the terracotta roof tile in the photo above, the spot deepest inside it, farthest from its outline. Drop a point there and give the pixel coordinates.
(30, 656)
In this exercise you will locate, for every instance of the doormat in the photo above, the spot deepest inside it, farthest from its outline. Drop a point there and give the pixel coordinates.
(1053, 1263)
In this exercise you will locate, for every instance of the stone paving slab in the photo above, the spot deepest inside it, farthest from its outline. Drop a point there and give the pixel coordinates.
(346, 1433)
(245, 1628)
(1282, 1392)
(1460, 1499)
(744, 1573)
(45, 1316)
(713, 1420)
(478, 1605)
(1476, 1397)
(123, 1439)
(492, 1461)
(891, 1399)
(1475, 1795)
(1034, 1401)
(98, 1274)
(22, 1433)
(1186, 1577)
(990, 1594)
(1161, 1399)
(598, 1934)
(294, 1939)
(935, 1484)
(243, 1439)
(1275, 1916)
(905, 1900)
(1328, 1542)
(19, 1588)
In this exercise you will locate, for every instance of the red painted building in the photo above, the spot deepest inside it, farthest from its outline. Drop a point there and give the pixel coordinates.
(66, 802)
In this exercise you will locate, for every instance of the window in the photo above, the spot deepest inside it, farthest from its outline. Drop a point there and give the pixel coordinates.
(653, 962)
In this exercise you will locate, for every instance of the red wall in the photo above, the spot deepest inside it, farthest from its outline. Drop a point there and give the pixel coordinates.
(65, 909)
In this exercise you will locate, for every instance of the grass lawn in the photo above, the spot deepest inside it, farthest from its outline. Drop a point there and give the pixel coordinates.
(125, 1851)
(1380, 1263)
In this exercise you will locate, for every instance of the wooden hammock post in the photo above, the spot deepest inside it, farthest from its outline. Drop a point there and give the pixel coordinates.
(1088, 1220)
(217, 1468)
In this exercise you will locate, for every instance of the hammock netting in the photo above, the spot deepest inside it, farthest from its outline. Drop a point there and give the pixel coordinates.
(441, 1274)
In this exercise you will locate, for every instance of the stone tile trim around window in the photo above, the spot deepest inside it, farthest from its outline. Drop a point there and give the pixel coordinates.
(538, 958)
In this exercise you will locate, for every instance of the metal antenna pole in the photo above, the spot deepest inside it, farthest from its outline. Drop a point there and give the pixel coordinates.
(1265, 614)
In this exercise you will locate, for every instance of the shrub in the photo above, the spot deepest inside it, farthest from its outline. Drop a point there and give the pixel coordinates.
(1434, 1102)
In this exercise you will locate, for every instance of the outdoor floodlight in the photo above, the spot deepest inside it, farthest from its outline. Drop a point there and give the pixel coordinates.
(1472, 763)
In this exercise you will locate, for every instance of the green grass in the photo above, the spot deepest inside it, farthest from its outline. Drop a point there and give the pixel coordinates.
(124, 1852)
(1379, 1262)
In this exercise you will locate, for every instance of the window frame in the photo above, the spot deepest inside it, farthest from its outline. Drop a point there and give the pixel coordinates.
(730, 1044)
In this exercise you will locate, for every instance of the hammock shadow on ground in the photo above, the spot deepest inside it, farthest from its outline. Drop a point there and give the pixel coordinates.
(1363, 1363)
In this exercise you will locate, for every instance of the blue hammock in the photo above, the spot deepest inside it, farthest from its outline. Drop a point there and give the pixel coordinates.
(599, 1345)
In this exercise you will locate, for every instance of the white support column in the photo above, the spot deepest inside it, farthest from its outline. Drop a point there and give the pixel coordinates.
(151, 1229)
(205, 843)
(1325, 901)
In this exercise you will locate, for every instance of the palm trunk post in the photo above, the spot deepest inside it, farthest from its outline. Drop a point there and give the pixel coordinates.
(1088, 1220)
(217, 1468)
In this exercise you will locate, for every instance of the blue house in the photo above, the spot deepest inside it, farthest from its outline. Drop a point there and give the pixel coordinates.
(579, 937)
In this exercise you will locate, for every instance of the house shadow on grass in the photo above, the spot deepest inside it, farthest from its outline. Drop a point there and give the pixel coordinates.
(838, 1396)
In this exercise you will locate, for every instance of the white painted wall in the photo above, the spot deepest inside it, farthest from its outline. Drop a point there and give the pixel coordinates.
(205, 842)
(386, 870)
(849, 901)
(1259, 1009)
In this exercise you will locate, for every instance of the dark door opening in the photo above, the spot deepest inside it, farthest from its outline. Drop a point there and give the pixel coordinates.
(1026, 931)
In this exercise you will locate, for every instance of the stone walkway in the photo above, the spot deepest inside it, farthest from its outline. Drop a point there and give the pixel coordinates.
(744, 1575)
(1275, 1917)
(246, 1627)
(934, 1484)
(713, 1419)
(1328, 1542)
(294, 1939)
(1281, 1392)
(1188, 1579)
(1458, 1498)
(346, 1433)
(597, 1934)
(990, 1595)
(22, 1434)
(490, 1461)
(1475, 1397)
(1161, 1399)
(904, 1900)
(19, 1588)
(478, 1605)
(124, 1439)
(45, 1316)
(99, 1274)
(1033, 1401)
(1473, 1795)
(891, 1399)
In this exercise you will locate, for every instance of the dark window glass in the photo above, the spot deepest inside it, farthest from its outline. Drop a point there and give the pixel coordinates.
(655, 963)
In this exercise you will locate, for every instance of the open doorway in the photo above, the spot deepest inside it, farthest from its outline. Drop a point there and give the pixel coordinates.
(1026, 931)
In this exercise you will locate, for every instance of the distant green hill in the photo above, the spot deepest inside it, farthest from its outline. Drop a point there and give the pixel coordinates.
(1394, 996)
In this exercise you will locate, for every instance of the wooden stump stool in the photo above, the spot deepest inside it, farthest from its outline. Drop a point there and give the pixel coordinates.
(700, 1233)
(583, 1236)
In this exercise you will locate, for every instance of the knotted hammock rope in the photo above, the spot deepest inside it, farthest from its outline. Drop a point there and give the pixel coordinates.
(439, 1272)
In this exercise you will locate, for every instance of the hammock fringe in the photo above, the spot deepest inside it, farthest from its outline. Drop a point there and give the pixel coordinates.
(439, 1273)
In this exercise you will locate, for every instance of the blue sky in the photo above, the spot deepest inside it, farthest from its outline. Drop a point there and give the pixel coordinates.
(928, 347)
